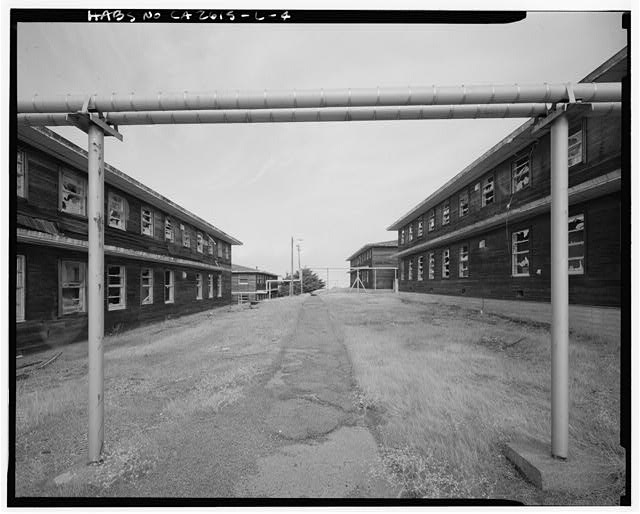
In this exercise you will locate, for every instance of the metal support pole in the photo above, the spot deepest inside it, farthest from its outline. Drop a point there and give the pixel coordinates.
(299, 268)
(95, 281)
(559, 288)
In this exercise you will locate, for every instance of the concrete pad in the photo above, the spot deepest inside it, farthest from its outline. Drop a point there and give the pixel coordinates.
(581, 472)
(345, 465)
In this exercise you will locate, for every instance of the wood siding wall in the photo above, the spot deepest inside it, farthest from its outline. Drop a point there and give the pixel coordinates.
(42, 202)
(45, 326)
(379, 257)
(490, 267)
(599, 285)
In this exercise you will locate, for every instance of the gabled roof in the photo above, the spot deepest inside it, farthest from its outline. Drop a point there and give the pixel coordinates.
(610, 71)
(383, 244)
(63, 149)
(236, 268)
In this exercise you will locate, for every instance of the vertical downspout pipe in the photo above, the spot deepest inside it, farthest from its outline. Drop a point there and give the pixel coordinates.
(95, 281)
(559, 288)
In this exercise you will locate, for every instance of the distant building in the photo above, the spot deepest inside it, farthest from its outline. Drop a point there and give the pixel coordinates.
(251, 284)
(486, 232)
(160, 259)
(375, 255)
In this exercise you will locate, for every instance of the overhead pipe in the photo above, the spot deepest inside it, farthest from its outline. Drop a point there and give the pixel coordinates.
(302, 99)
(320, 115)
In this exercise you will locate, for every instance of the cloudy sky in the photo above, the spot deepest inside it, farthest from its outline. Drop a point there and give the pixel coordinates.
(337, 186)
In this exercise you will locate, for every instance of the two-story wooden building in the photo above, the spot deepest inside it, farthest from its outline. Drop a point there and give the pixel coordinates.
(486, 232)
(160, 259)
(371, 256)
(251, 283)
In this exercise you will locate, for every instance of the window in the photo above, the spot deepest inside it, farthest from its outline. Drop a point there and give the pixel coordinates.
(445, 263)
(520, 174)
(220, 250)
(410, 233)
(20, 281)
(198, 286)
(420, 227)
(186, 240)
(487, 191)
(210, 284)
(464, 203)
(432, 221)
(410, 269)
(73, 193)
(219, 285)
(21, 174)
(117, 214)
(576, 148)
(146, 221)
(576, 245)
(72, 286)
(168, 286)
(168, 230)
(212, 245)
(243, 281)
(402, 237)
(116, 288)
(446, 216)
(520, 253)
(146, 286)
(199, 243)
(463, 266)
(402, 268)
(432, 265)
(421, 267)
(227, 251)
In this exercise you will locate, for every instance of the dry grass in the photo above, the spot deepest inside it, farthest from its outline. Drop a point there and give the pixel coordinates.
(154, 376)
(453, 386)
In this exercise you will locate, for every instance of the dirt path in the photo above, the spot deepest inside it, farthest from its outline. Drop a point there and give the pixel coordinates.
(296, 432)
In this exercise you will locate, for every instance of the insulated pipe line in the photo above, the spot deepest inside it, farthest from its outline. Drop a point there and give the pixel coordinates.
(321, 115)
(300, 99)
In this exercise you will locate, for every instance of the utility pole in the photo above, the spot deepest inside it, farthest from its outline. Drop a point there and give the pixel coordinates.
(291, 282)
(299, 267)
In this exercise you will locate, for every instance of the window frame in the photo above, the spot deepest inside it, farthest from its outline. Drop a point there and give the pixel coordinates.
(146, 299)
(446, 213)
(82, 181)
(81, 287)
(420, 227)
(150, 221)
(21, 287)
(431, 225)
(421, 268)
(22, 164)
(462, 195)
(410, 233)
(488, 180)
(410, 270)
(186, 238)
(463, 261)
(199, 286)
(515, 253)
(582, 271)
(122, 286)
(432, 266)
(580, 128)
(219, 286)
(520, 163)
(402, 236)
(169, 286)
(123, 214)
(210, 285)
(199, 242)
(446, 263)
(168, 229)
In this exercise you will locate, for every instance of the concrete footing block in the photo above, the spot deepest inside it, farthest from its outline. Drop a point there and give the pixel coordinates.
(579, 472)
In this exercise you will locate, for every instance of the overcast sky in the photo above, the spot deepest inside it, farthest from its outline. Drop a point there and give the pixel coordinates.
(337, 186)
